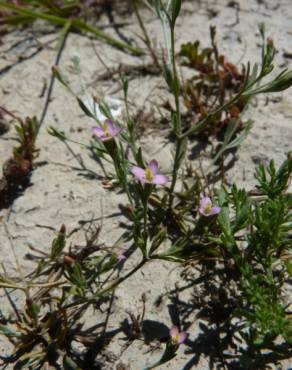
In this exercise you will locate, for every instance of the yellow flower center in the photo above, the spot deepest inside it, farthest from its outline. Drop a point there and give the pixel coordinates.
(175, 338)
(106, 130)
(208, 208)
(148, 174)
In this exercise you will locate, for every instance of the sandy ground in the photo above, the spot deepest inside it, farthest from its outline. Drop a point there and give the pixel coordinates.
(62, 192)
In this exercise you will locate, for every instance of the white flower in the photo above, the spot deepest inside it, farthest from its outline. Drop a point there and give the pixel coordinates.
(114, 105)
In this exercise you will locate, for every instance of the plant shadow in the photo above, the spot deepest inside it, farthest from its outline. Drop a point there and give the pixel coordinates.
(214, 298)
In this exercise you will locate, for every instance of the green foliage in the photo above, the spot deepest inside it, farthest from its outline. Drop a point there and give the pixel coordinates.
(267, 229)
(250, 233)
(272, 182)
(26, 135)
(208, 62)
(192, 56)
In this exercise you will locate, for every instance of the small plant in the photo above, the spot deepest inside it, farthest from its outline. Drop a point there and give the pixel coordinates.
(217, 80)
(44, 332)
(17, 169)
(263, 257)
(248, 233)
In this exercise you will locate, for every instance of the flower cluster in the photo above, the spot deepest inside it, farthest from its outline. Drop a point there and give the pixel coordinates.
(149, 175)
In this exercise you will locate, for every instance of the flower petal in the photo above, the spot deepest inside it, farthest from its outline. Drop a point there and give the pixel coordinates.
(160, 179)
(98, 131)
(174, 332)
(153, 165)
(121, 255)
(114, 130)
(205, 202)
(203, 212)
(138, 172)
(182, 336)
(215, 210)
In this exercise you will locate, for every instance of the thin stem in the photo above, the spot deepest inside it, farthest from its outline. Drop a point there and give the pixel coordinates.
(122, 176)
(145, 216)
(147, 192)
(175, 170)
(204, 122)
(111, 286)
(146, 36)
(63, 39)
(178, 128)
(130, 125)
(177, 91)
(32, 285)
(126, 188)
(145, 232)
(12, 286)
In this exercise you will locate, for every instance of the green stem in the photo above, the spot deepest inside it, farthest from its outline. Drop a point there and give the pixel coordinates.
(62, 41)
(205, 121)
(145, 216)
(131, 127)
(177, 91)
(122, 178)
(175, 170)
(145, 232)
(111, 286)
(146, 36)
(147, 192)
(121, 175)
(178, 129)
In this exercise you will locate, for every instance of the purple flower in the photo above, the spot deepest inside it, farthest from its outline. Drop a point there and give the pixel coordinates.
(177, 337)
(206, 207)
(107, 131)
(121, 255)
(150, 174)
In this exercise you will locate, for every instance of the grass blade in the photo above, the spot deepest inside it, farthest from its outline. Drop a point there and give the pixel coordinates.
(76, 23)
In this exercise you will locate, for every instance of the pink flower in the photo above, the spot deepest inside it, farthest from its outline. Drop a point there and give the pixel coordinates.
(121, 255)
(206, 207)
(177, 337)
(107, 131)
(150, 174)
